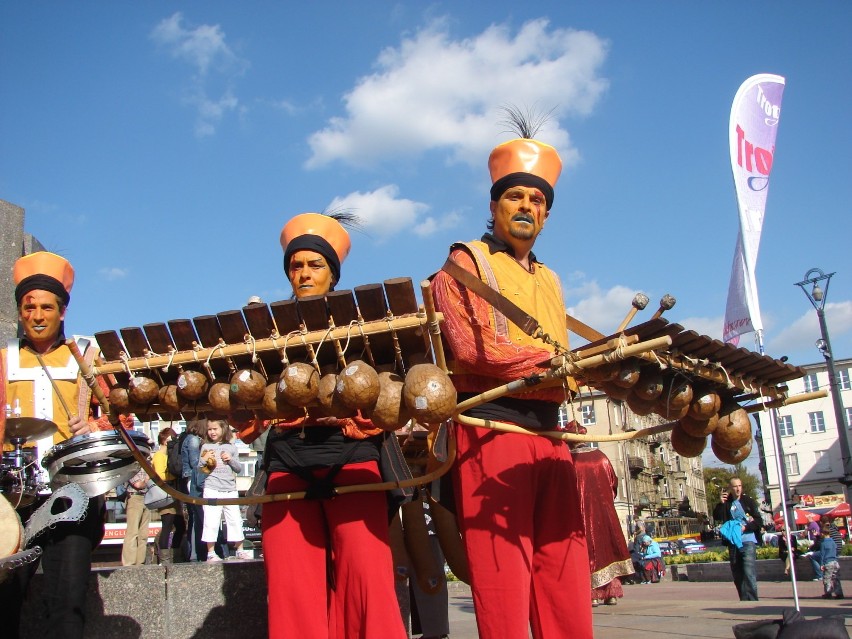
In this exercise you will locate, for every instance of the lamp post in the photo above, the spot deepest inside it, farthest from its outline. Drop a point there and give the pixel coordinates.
(816, 295)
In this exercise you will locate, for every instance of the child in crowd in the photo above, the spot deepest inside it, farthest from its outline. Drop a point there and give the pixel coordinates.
(829, 565)
(220, 459)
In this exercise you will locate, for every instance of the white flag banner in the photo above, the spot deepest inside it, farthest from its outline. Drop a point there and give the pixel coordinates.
(754, 124)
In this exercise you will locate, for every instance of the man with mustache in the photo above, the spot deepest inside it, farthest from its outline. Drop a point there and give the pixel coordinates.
(516, 495)
(42, 379)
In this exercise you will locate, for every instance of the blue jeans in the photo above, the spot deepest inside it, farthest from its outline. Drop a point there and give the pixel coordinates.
(744, 570)
(817, 568)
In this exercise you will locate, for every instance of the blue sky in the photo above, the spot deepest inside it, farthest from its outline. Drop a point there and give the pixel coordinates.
(161, 146)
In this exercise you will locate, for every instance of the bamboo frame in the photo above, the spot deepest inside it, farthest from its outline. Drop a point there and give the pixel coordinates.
(226, 351)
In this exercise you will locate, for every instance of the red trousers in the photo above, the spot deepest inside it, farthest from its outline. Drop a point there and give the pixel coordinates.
(519, 515)
(302, 604)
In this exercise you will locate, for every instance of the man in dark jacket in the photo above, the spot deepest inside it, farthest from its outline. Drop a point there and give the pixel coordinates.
(740, 508)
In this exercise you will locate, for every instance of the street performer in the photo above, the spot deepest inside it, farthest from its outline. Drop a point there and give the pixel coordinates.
(516, 494)
(609, 559)
(328, 563)
(36, 367)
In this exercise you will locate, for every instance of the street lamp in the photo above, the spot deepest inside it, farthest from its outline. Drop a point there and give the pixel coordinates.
(816, 295)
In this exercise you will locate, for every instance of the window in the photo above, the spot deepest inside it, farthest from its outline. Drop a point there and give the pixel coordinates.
(588, 414)
(564, 415)
(849, 418)
(817, 422)
(822, 462)
(785, 425)
(843, 382)
(791, 463)
(811, 383)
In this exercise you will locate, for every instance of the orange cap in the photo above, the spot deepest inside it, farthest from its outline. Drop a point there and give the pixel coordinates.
(523, 155)
(44, 263)
(324, 226)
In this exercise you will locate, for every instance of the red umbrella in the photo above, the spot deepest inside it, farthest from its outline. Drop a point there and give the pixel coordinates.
(802, 517)
(840, 510)
(809, 516)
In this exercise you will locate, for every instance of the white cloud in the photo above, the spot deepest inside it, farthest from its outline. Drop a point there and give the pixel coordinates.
(112, 273)
(383, 213)
(802, 333)
(432, 225)
(433, 92)
(709, 326)
(204, 49)
(601, 309)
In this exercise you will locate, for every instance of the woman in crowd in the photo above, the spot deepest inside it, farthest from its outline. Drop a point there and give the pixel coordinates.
(172, 514)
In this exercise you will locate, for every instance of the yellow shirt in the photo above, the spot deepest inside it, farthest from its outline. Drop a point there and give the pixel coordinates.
(160, 463)
(29, 389)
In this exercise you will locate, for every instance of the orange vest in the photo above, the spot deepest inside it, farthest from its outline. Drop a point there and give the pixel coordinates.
(538, 293)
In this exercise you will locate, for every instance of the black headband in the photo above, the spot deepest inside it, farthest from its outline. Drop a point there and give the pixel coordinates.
(522, 179)
(41, 282)
(318, 245)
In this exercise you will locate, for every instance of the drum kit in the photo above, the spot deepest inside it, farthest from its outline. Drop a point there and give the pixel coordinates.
(79, 468)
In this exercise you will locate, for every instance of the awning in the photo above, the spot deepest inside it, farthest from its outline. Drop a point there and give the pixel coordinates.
(802, 517)
(841, 510)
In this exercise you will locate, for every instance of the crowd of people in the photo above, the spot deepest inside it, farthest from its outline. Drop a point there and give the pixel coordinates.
(541, 538)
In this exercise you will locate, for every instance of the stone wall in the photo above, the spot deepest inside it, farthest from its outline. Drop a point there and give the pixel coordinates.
(225, 600)
(181, 601)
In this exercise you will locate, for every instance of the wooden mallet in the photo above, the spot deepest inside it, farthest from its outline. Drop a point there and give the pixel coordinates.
(666, 302)
(640, 301)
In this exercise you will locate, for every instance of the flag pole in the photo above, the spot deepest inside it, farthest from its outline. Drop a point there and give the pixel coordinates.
(752, 130)
(788, 515)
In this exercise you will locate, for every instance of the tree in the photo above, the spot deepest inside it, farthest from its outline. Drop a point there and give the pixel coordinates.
(716, 480)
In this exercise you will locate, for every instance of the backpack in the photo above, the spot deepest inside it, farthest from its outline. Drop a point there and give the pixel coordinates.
(174, 461)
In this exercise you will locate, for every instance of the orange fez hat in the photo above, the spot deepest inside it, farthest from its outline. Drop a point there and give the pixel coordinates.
(43, 271)
(525, 162)
(316, 232)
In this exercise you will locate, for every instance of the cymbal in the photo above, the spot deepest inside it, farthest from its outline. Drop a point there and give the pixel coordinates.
(28, 428)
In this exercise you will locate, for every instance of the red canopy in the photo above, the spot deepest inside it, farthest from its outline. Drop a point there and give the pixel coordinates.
(840, 510)
(802, 516)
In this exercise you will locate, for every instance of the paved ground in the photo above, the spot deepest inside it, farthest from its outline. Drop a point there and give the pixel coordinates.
(679, 609)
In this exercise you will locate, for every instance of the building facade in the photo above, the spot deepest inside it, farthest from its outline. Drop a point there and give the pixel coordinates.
(809, 436)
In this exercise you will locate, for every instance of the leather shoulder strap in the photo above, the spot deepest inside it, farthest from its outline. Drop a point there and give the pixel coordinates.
(524, 321)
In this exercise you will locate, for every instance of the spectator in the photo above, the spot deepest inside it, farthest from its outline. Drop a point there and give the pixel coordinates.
(135, 545)
(742, 522)
(786, 542)
(833, 530)
(652, 561)
(636, 553)
(813, 554)
(813, 530)
(830, 566)
(190, 453)
(172, 514)
(221, 459)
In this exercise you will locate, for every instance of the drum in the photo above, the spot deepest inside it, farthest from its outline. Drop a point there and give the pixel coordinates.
(97, 462)
(19, 477)
(11, 530)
